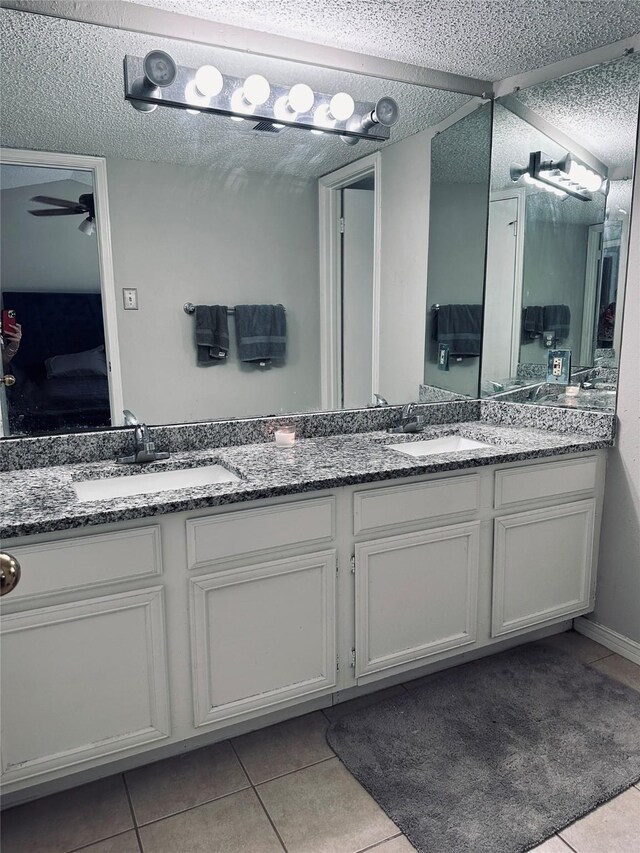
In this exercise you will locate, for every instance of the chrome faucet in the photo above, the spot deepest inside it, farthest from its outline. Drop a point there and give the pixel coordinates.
(408, 421)
(378, 401)
(144, 448)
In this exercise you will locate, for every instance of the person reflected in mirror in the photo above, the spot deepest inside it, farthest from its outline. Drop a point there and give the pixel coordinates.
(606, 326)
(11, 343)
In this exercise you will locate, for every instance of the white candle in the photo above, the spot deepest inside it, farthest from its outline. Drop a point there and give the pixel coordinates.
(285, 437)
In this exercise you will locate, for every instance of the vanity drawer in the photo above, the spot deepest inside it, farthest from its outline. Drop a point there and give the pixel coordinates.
(545, 481)
(88, 561)
(247, 532)
(376, 509)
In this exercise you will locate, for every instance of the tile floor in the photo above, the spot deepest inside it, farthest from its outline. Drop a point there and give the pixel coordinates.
(279, 789)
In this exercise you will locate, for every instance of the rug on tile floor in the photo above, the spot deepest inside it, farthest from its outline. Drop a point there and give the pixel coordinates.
(497, 755)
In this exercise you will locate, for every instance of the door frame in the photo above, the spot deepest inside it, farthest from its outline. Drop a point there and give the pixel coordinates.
(329, 188)
(520, 194)
(98, 168)
(592, 278)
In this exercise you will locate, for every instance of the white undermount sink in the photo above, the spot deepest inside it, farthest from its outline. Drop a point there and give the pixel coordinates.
(446, 444)
(156, 481)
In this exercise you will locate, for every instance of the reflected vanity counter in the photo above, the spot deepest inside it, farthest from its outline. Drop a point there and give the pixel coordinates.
(41, 499)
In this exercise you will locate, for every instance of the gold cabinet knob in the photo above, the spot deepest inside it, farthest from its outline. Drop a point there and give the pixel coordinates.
(9, 573)
(7, 380)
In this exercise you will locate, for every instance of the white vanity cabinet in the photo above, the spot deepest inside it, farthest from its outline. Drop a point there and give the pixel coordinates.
(276, 607)
(84, 673)
(263, 631)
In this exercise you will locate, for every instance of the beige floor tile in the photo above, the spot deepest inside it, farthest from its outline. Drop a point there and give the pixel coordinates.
(287, 746)
(577, 645)
(166, 787)
(323, 809)
(234, 824)
(338, 711)
(614, 827)
(400, 844)
(552, 845)
(68, 820)
(125, 843)
(620, 668)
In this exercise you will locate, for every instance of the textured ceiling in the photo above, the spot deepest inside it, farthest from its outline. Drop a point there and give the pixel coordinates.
(69, 97)
(461, 154)
(597, 107)
(489, 39)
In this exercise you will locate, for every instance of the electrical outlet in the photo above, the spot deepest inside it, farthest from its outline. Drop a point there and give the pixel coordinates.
(130, 298)
(559, 366)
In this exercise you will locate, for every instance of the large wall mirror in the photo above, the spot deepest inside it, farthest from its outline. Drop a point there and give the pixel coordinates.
(207, 211)
(561, 186)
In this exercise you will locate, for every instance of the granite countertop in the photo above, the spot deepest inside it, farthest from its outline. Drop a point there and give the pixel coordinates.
(40, 500)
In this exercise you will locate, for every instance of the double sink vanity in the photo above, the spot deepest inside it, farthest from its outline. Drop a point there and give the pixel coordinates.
(234, 584)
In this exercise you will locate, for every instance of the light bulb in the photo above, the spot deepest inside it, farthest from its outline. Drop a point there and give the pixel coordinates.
(593, 182)
(193, 97)
(341, 106)
(256, 89)
(239, 103)
(323, 117)
(301, 98)
(209, 81)
(281, 110)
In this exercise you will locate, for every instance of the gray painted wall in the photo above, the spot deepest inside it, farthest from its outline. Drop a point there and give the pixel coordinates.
(405, 183)
(456, 271)
(618, 592)
(187, 234)
(555, 260)
(45, 253)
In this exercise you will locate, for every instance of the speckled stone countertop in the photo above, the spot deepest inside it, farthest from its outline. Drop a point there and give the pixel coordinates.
(40, 500)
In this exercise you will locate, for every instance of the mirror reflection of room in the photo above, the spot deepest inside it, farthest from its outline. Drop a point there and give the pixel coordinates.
(50, 288)
(562, 167)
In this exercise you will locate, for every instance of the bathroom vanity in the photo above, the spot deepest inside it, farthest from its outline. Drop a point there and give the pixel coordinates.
(327, 569)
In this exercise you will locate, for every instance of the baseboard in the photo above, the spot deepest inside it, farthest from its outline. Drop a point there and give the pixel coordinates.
(607, 637)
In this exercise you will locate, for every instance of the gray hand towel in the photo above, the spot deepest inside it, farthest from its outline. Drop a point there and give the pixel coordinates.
(212, 334)
(261, 331)
(533, 321)
(557, 319)
(460, 328)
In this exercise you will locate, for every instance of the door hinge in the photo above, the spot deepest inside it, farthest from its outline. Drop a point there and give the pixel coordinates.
(353, 658)
(337, 662)
(341, 223)
(514, 222)
(353, 564)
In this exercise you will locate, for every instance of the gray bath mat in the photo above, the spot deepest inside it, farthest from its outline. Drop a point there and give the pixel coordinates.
(497, 755)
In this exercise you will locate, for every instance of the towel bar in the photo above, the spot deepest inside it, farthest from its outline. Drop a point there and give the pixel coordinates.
(190, 308)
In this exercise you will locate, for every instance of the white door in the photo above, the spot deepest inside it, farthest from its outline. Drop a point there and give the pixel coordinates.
(357, 297)
(503, 299)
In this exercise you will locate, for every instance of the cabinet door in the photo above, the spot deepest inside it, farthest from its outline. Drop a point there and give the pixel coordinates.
(416, 596)
(262, 636)
(82, 681)
(542, 565)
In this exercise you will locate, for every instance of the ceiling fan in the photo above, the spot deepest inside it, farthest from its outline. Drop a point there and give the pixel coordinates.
(64, 207)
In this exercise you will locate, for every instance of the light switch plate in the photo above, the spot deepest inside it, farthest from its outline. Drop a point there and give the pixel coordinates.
(559, 366)
(130, 298)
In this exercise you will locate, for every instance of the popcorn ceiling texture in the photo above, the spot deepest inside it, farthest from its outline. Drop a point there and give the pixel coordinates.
(489, 39)
(597, 107)
(69, 97)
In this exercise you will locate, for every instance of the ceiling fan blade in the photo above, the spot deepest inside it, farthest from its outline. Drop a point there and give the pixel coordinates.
(58, 212)
(59, 202)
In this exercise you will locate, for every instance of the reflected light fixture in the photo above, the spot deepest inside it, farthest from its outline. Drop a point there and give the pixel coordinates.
(564, 177)
(156, 81)
(88, 226)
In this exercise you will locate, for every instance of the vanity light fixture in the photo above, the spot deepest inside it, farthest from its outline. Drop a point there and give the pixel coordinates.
(156, 81)
(564, 177)
(159, 71)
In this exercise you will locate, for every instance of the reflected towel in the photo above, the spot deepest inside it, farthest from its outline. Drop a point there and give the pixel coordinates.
(557, 319)
(212, 334)
(261, 331)
(460, 328)
(533, 319)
